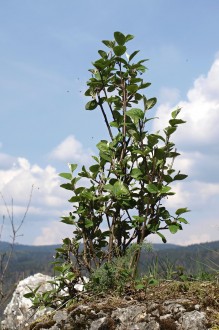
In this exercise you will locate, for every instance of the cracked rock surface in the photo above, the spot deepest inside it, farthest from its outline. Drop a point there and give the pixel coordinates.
(168, 306)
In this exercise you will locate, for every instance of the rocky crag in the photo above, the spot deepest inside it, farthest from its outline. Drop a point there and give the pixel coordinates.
(169, 306)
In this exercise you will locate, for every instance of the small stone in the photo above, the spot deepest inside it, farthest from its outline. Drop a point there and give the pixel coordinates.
(97, 324)
(193, 321)
(60, 316)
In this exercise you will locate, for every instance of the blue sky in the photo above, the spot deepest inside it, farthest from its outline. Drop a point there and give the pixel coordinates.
(46, 50)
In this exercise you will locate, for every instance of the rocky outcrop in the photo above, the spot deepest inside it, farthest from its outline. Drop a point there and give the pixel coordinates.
(171, 315)
(18, 312)
(171, 306)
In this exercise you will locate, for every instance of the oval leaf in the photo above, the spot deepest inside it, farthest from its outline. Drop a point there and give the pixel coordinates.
(182, 210)
(152, 188)
(120, 38)
(165, 189)
(174, 228)
(91, 105)
(180, 177)
(119, 189)
(175, 113)
(72, 167)
(135, 113)
(133, 55)
(119, 50)
(67, 176)
(151, 102)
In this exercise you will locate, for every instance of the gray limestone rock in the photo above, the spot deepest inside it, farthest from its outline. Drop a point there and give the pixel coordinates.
(176, 314)
(194, 320)
(18, 314)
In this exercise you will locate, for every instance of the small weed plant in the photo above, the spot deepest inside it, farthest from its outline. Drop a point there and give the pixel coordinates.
(121, 203)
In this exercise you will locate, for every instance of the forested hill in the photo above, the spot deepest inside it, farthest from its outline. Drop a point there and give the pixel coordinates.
(29, 259)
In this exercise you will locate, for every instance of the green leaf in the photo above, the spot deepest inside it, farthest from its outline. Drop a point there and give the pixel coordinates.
(99, 64)
(174, 228)
(29, 295)
(136, 173)
(133, 55)
(144, 85)
(68, 220)
(153, 281)
(169, 130)
(152, 188)
(111, 88)
(114, 124)
(91, 105)
(66, 241)
(94, 168)
(151, 102)
(74, 199)
(105, 156)
(102, 53)
(182, 220)
(167, 178)
(119, 50)
(140, 286)
(152, 140)
(103, 145)
(181, 211)
(119, 189)
(96, 158)
(67, 176)
(67, 186)
(162, 237)
(129, 37)
(180, 177)
(132, 88)
(135, 114)
(108, 43)
(88, 223)
(174, 122)
(160, 153)
(72, 167)
(108, 187)
(138, 219)
(175, 113)
(120, 38)
(165, 189)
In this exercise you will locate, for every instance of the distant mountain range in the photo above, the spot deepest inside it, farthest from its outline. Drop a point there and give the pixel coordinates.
(29, 259)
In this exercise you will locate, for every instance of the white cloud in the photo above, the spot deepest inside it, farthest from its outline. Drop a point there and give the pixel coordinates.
(53, 233)
(17, 180)
(201, 111)
(197, 141)
(71, 150)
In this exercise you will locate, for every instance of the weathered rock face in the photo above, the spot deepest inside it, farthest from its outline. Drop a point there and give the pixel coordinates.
(171, 315)
(18, 312)
(108, 313)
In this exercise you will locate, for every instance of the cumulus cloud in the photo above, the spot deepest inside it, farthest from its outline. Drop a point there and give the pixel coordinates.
(48, 200)
(200, 110)
(16, 183)
(71, 150)
(197, 141)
